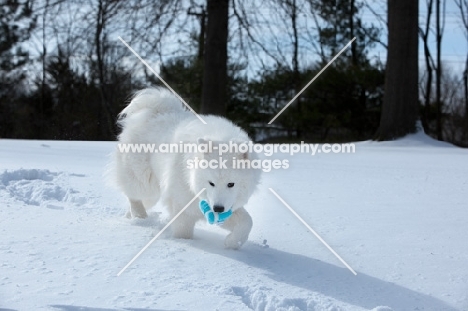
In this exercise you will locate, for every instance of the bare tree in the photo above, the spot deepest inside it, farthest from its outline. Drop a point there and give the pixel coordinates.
(463, 7)
(149, 22)
(275, 37)
(106, 9)
(43, 59)
(400, 106)
(251, 35)
(439, 33)
(105, 21)
(289, 10)
(424, 34)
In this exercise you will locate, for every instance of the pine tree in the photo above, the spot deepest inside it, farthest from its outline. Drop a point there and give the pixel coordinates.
(16, 23)
(342, 23)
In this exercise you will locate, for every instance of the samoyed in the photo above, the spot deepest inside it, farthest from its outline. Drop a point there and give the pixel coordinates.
(156, 116)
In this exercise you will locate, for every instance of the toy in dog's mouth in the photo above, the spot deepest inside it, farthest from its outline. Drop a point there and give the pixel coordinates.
(213, 217)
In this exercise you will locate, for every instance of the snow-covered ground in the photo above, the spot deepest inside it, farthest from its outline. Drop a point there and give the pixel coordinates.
(397, 212)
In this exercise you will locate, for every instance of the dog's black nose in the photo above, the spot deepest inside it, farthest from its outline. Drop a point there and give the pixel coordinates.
(218, 209)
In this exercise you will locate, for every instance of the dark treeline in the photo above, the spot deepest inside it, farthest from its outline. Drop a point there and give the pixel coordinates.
(65, 75)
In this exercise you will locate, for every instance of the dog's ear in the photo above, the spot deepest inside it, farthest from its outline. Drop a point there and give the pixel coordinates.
(204, 147)
(241, 155)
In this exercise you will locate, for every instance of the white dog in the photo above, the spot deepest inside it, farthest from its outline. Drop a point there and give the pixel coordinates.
(156, 116)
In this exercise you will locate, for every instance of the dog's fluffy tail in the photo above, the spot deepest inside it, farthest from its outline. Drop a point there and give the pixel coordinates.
(154, 101)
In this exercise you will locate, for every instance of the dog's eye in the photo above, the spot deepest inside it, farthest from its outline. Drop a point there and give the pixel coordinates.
(211, 184)
(230, 185)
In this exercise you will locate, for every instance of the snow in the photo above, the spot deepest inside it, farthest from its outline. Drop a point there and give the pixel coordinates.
(396, 212)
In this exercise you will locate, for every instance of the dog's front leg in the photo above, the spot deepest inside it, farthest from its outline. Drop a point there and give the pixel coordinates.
(182, 227)
(240, 224)
(137, 209)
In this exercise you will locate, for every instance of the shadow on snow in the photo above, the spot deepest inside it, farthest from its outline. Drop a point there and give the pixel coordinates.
(330, 280)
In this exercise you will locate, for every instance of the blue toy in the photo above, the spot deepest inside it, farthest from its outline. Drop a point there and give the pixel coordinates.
(212, 217)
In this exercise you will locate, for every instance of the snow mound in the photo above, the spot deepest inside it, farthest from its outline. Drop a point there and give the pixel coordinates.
(418, 139)
(263, 298)
(39, 187)
(259, 299)
(22, 174)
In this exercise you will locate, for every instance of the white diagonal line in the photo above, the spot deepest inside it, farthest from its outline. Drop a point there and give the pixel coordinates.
(313, 231)
(316, 76)
(162, 80)
(159, 233)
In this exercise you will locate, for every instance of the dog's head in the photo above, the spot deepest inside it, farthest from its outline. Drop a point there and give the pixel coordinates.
(228, 178)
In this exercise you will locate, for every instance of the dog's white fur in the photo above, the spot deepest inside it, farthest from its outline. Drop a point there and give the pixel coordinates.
(156, 116)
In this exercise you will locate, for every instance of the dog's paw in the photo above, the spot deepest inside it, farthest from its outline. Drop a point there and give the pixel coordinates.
(137, 210)
(234, 242)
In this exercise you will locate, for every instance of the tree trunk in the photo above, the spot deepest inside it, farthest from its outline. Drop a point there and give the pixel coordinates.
(400, 106)
(296, 75)
(463, 7)
(354, 59)
(429, 68)
(44, 65)
(106, 116)
(102, 122)
(465, 86)
(214, 93)
(201, 44)
(438, 71)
